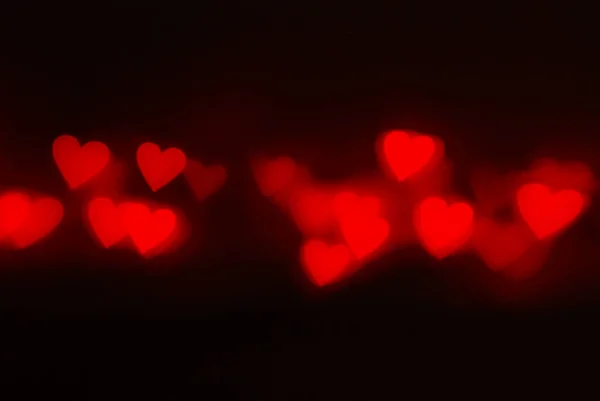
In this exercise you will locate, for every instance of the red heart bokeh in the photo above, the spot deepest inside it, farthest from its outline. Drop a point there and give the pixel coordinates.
(106, 220)
(324, 263)
(273, 176)
(443, 228)
(78, 164)
(362, 227)
(14, 209)
(407, 154)
(149, 231)
(312, 210)
(159, 167)
(548, 212)
(202, 180)
(42, 217)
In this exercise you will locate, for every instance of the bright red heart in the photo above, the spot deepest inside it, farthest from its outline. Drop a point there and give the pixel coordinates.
(324, 263)
(546, 212)
(159, 167)
(407, 154)
(443, 228)
(361, 226)
(78, 164)
(204, 181)
(273, 176)
(14, 209)
(106, 220)
(500, 244)
(148, 230)
(44, 215)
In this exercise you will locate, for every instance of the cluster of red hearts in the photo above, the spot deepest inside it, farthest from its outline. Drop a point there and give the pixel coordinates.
(347, 224)
(26, 218)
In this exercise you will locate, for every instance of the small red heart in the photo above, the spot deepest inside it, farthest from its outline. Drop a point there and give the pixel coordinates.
(273, 176)
(443, 228)
(78, 164)
(44, 215)
(546, 212)
(148, 230)
(14, 209)
(361, 226)
(324, 263)
(204, 181)
(500, 244)
(407, 154)
(106, 220)
(159, 167)
(312, 210)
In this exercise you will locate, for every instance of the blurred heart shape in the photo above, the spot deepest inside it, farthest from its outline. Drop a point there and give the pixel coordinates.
(159, 167)
(442, 227)
(324, 263)
(78, 164)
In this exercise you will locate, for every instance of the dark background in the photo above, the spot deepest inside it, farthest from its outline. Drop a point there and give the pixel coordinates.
(232, 313)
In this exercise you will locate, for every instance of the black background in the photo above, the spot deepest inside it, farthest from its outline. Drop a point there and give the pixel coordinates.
(232, 314)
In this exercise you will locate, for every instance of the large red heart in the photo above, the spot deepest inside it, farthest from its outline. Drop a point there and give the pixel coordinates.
(500, 244)
(548, 212)
(148, 230)
(361, 226)
(14, 209)
(106, 220)
(324, 263)
(44, 215)
(273, 176)
(204, 181)
(407, 154)
(159, 167)
(78, 163)
(443, 228)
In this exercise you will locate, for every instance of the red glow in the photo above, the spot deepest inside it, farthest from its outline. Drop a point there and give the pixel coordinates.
(150, 231)
(43, 216)
(78, 164)
(14, 209)
(204, 181)
(159, 167)
(312, 210)
(443, 228)
(362, 227)
(548, 212)
(406, 153)
(273, 176)
(106, 220)
(500, 244)
(324, 263)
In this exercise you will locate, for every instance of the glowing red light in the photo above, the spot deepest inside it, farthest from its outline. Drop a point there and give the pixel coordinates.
(159, 167)
(78, 164)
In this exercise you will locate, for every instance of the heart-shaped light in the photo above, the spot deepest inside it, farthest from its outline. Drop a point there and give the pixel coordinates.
(78, 164)
(407, 154)
(44, 215)
(324, 263)
(202, 180)
(548, 212)
(148, 230)
(106, 220)
(159, 167)
(443, 228)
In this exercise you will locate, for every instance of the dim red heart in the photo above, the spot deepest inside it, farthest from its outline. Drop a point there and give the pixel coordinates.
(407, 154)
(324, 263)
(500, 244)
(204, 181)
(159, 167)
(312, 210)
(362, 227)
(43, 216)
(273, 176)
(443, 228)
(78, 164)
(548, 212)
(106, 220)
(148, 230)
